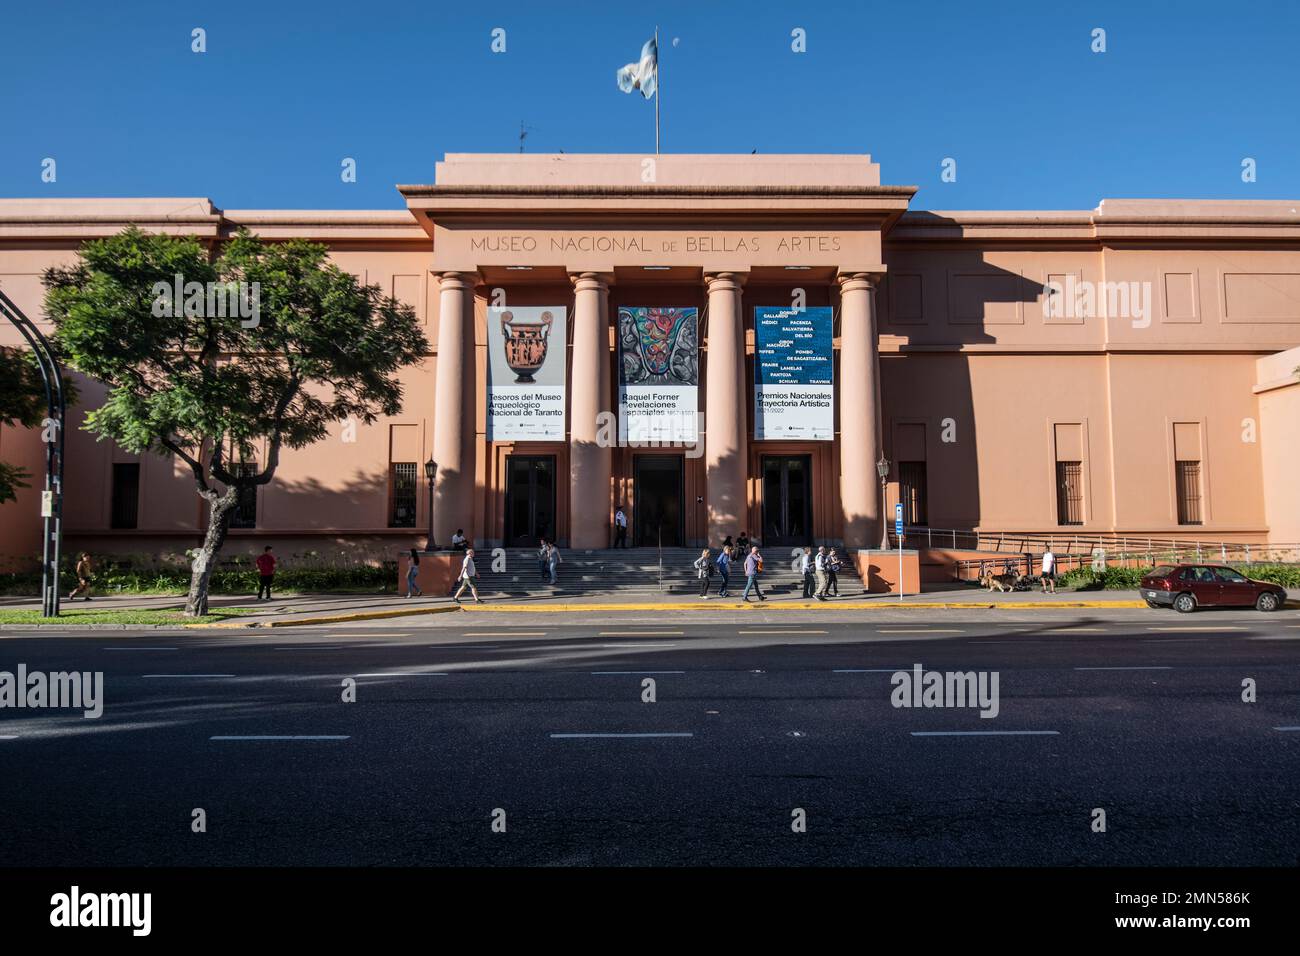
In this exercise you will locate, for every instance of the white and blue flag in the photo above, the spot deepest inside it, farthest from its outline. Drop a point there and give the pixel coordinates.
(644, 74)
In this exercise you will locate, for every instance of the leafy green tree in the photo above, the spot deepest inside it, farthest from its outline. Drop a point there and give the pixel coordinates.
(22, 405)
(312, 346)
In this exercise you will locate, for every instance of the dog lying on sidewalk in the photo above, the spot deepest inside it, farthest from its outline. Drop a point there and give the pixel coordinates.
(1001, 582)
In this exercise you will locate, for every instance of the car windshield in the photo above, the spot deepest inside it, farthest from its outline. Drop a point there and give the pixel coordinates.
(1163, 571)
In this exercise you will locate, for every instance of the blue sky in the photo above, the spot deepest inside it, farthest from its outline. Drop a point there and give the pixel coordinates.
(1011, 91)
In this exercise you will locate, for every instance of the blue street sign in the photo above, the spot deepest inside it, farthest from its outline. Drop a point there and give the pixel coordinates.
(898, 520)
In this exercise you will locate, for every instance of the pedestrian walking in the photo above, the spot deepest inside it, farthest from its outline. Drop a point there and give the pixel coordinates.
(85, 571)
(724, 570)
(1048, 578)
(265, 572)
(753, 568)
(806, 572)
(620, 528)
(413, 575)
(819, 573)
(833, 565)
(543, 557)
(553, 562)
(468, 578)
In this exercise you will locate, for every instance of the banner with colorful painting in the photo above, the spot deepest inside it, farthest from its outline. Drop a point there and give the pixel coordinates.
(525, 371)
(658, 374)
(794, 391)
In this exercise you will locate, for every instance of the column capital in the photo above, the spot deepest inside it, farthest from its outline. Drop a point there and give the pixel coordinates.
(721, 281)
(855, 280)
(591, 281)
(458, 280)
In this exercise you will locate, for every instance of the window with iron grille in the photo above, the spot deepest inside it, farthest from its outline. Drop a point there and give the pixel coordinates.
(1069, 492)
(126, 495)
(1187, 475)
(401, 494)
(911, 492)
(245, 515)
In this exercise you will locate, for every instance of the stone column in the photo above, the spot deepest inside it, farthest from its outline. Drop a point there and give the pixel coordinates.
(726, 451)
(455, 397)
(859, 388)
(589, 462)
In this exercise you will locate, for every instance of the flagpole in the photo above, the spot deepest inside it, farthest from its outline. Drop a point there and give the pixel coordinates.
(657, 92)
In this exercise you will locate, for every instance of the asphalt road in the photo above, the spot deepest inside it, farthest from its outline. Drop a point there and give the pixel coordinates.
(1138, 713)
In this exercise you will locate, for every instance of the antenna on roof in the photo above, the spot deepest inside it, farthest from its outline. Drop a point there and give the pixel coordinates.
(523, 134)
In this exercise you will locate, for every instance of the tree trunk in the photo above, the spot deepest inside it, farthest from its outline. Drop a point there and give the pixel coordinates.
(221, 509)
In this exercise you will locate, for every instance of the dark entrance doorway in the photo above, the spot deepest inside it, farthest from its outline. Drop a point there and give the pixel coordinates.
(530, 499)
(657, 501)
(787, 499)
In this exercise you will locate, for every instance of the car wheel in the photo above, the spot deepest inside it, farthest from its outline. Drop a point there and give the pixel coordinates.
(1267, 602)
(1185, 603)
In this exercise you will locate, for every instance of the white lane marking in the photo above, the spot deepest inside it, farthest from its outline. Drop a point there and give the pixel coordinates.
(874, 670)
(138, 648)
(912, 630)
(407, 674)
(8, 736)
(1280, 637)
(1144, 667)
(280, 737)
(606, 736)
(608, 673)
(985, 733)
(1074, 630)
(640, 633)
(1228, 628)
(1287, 729)
(187, 675)
(504, 634)
(639, 644)
(780, 632)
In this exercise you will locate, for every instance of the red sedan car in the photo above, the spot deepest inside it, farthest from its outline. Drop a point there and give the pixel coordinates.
(1186, 587)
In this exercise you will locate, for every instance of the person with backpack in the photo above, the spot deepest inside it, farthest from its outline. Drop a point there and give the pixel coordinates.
(413, 576)
(753, 568)
(724, 569)
(704, 570)
(833, 565)
(468, 578)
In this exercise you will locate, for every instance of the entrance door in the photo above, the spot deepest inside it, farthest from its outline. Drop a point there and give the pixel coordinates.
(530, 499)
(787, 499)
(657, 501)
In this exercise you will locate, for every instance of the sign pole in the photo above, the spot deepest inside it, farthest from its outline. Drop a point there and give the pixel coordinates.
(898, 533)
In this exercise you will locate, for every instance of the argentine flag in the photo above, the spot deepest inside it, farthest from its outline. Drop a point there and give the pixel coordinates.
(644, 75)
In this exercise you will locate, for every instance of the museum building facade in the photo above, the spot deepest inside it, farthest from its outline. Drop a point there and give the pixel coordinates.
(770, 344)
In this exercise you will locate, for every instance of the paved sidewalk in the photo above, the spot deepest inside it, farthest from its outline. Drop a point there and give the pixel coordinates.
(293, 609)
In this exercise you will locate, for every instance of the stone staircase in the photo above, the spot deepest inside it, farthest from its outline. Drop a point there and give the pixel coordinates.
(629, 572)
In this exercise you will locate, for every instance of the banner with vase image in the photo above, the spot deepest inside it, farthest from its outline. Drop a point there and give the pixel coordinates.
(525, 370)
(658, 374)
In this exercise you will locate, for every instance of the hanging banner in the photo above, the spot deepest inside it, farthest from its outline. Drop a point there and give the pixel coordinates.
(526, 359)
(658, 374)
(794, 391)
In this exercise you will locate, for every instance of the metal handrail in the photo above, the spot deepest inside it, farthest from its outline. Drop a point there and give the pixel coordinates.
(1086, 543)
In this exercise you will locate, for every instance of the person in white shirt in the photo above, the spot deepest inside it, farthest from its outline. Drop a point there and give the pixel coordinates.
(458, 540)
(806, 572)
(468, 578)
(620, 528)
(703, 571)
(1048, 578)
